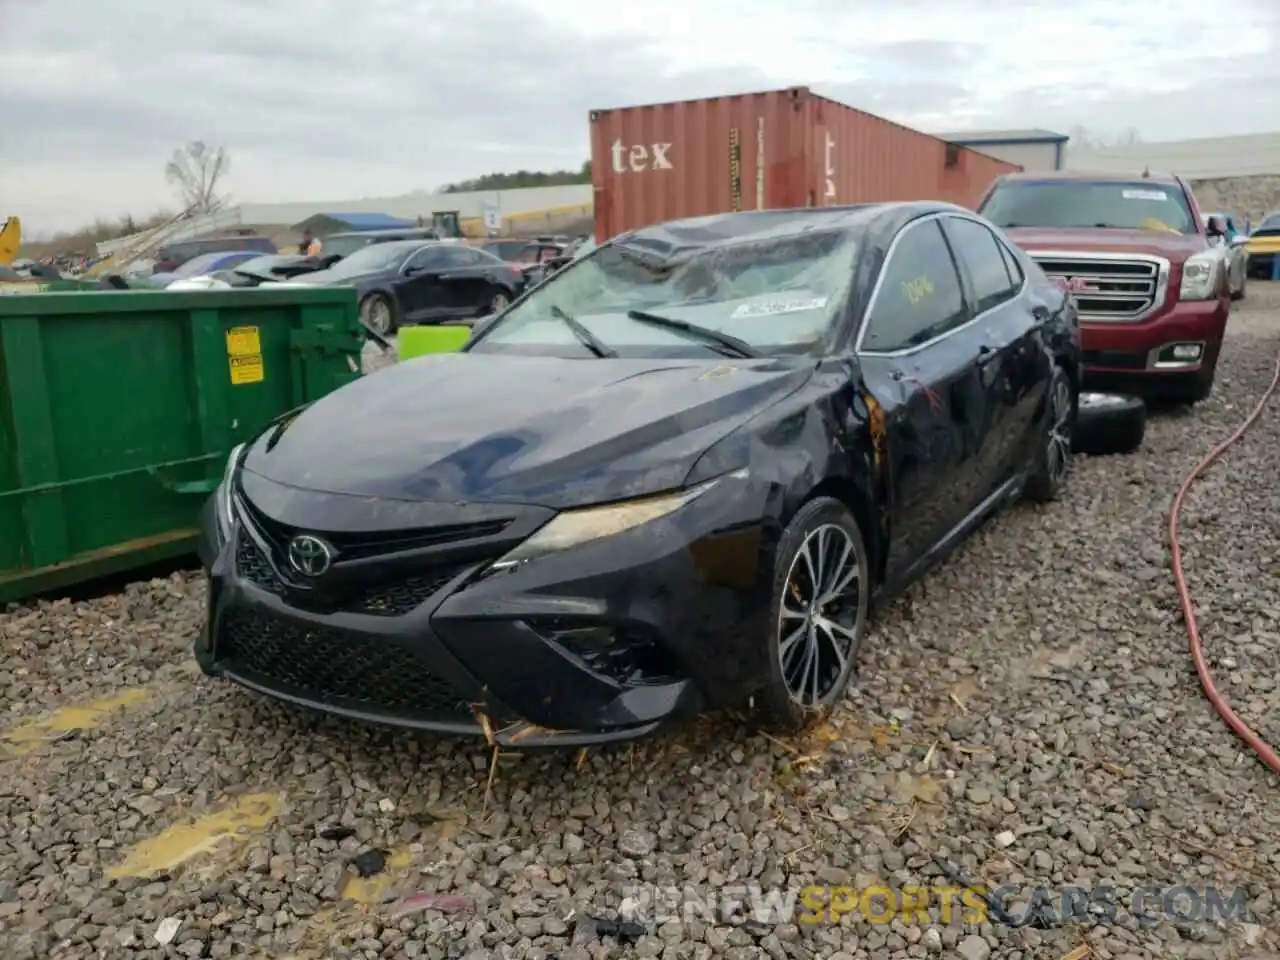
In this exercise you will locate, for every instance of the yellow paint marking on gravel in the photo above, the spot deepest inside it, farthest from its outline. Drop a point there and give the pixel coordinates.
(28, 737)
(180, 843)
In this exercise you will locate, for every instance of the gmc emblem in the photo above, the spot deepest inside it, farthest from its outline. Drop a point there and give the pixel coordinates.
(1074, 284)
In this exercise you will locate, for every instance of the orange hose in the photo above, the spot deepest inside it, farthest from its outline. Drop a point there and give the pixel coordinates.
(1265, 751)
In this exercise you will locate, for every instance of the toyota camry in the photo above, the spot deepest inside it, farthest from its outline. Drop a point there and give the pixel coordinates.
(676, 476)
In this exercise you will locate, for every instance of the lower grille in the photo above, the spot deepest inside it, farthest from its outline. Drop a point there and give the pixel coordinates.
(1108, 289)
(1114, 359)
(337, 667)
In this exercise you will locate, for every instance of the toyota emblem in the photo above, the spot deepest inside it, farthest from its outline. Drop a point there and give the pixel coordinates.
(309, 555)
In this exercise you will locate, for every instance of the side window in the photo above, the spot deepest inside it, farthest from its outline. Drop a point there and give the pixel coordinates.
(1015, 268)
(430, 257)
(919, 296)
(454, 257)
(979, 250)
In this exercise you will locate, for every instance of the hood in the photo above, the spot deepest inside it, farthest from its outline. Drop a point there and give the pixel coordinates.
(535, 430)
(1173, 246)
(326, 277)
(161, 279)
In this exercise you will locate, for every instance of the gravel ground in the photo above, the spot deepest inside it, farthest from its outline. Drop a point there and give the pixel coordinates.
(1027, 714)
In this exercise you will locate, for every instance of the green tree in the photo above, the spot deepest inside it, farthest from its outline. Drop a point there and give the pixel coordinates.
(520, 179)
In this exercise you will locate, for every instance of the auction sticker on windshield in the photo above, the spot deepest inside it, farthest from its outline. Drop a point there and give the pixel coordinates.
(769, 308)
(1144, 195)
(244, 352)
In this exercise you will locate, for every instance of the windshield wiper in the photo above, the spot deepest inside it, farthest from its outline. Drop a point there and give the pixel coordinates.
(728, 344)
(585, 336)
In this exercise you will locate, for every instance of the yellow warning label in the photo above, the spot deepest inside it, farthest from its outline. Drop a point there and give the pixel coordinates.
(244, 342)
(244, 351)
(247, 370)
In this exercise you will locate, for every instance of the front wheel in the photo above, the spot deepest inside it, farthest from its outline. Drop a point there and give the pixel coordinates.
(498, 302)
(1052, 459)
(821, 591)
(377, 315)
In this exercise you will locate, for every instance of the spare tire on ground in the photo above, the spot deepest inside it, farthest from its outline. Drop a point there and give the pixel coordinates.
(1109, 423)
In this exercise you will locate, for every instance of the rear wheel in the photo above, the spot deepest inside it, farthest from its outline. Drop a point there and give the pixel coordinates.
(377, 315)
(1052, 459)
(821, 590)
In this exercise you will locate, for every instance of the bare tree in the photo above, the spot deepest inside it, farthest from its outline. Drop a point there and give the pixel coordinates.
(196, 170)
(1082, 139)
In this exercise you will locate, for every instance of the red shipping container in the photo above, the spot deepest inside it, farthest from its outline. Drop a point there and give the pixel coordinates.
(757, 151)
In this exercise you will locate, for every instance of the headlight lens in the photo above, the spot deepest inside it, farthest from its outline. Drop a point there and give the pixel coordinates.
(1200, 276)
(576, 527)
(222, 503)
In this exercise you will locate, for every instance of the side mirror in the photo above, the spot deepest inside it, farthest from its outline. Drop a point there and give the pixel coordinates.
(1216, 227)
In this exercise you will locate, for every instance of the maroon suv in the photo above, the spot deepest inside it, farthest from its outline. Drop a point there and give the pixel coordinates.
(1151, 290)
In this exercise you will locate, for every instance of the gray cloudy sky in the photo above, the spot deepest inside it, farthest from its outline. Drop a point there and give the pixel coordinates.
(340, 99)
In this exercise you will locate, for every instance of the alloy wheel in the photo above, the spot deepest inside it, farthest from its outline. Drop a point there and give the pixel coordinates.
(1059, 442)
(378, 315)
(820, 616)
(498, 303)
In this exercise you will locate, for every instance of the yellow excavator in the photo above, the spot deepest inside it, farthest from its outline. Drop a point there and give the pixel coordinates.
(10, 240)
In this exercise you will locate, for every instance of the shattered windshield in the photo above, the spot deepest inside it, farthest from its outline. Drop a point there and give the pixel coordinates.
(1117, 205)
(779, 295)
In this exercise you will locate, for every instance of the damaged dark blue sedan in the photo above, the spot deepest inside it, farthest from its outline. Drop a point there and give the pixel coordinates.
(676, 476)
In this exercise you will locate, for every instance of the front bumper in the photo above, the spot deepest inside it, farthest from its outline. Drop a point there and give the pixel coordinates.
(1132, 357)
(605, 642)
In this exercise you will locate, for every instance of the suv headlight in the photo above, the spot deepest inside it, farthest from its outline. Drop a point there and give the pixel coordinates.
(576, 527)
(222, 496)
(1200, 276)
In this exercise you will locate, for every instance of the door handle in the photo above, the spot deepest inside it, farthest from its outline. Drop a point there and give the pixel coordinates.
(986, 354)
(1040, 312)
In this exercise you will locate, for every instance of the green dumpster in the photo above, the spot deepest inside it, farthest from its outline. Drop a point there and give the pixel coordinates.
(118, 410)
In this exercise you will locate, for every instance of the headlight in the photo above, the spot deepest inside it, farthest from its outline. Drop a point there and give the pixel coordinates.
(1200, 276)
(576, 527)
(222, 503)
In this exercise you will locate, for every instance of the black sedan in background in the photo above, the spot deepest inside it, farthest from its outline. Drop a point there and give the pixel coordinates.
(674, 476)
(415, 281)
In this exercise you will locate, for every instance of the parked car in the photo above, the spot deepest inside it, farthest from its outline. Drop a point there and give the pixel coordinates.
(1150, 285)
(338, 245)
(1262, 246)
(412, 281)
(672, 477)
(271, 268)
(1232, 243)
(171, 256)
(202, 265)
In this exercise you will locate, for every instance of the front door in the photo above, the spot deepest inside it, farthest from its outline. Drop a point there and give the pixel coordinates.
(919, 354)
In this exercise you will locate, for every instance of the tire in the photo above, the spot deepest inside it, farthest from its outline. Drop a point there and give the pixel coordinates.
(377, 313)
(499, 300)
(1051, 461)
(793, 628)
(1109, 423)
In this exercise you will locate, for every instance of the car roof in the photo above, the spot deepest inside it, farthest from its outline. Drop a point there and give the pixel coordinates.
(677, 237)
(1051, 176)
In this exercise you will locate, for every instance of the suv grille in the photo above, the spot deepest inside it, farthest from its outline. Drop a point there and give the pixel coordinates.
(1117, 290)
(337, 667)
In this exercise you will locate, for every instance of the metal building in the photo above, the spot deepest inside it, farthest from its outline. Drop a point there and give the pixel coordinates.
(1033, 150)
